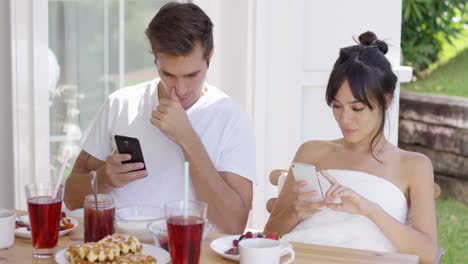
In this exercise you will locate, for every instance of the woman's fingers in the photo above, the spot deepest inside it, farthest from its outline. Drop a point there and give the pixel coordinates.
(330, 191)
(306, 195)
(334, 193)
(336, 206)
(329, 178)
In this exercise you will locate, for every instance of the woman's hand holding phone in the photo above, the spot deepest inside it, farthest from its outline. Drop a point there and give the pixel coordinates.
(303, 208)
(116, 174)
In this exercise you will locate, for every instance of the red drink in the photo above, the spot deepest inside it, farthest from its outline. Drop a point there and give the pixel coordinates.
(44, 217)
(185, 235)
(98, 223)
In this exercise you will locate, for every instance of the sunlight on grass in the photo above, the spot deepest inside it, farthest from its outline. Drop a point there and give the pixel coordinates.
(453, 229)
(450, 75)
(449, 79)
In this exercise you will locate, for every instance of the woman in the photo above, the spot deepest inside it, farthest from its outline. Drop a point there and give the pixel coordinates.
(368, 183)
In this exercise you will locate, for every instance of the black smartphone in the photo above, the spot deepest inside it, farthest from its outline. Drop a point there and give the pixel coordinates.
(130, 145)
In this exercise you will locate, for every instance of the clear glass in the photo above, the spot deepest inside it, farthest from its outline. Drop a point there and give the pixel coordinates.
(98, 217)
(44, 217)
(185, 224)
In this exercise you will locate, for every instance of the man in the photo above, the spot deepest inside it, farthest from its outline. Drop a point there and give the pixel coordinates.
(176, 118)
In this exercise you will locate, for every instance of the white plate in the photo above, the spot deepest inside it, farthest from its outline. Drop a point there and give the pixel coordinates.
(25, 233)
(222, 244)
(161, 255)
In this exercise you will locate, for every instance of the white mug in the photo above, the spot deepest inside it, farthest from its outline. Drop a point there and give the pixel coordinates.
(263, 251)
(7, 228)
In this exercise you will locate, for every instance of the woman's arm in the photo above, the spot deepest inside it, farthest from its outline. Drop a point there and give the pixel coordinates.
(290, 208)
(421, 238)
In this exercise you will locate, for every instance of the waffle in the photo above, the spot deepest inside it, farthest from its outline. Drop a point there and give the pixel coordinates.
(92, 252)
(127, 259)
(126, 243)
(134, 259)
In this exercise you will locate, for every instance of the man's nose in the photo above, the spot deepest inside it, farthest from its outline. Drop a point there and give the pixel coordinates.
(180, 88)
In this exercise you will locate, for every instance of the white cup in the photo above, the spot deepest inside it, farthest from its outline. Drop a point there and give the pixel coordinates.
(7, 228)
(263, 251)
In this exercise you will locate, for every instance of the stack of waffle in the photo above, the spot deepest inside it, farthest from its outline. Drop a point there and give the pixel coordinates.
(115, 249)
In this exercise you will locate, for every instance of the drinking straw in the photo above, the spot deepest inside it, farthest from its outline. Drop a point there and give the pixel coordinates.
(94, 187)
(62, 170)
(186, 186)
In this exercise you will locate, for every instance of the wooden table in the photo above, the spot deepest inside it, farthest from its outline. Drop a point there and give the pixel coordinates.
(21, 252)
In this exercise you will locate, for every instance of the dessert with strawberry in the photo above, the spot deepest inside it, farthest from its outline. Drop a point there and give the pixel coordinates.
(234, 250)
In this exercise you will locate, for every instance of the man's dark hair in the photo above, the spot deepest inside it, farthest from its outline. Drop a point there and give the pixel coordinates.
(178, 27)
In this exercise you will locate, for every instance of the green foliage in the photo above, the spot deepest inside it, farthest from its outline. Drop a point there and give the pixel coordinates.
(427, 24)
(452, 230)
(448, 79)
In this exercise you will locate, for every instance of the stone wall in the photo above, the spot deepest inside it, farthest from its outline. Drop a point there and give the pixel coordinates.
(438, 127)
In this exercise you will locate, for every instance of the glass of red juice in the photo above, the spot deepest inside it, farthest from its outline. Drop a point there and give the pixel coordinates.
(98, 217)
(185, 223)
(44, 217)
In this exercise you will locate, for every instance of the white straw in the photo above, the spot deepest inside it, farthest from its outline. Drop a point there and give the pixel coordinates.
(62, 170)
(186, 187)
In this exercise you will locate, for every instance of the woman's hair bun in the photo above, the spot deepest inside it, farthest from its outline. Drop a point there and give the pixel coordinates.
(369, 38)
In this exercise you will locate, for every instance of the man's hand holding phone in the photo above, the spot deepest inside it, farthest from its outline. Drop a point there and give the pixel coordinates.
(123, 166)
(116, 174)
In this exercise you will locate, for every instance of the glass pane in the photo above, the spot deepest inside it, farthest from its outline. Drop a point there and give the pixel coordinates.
(84, 63)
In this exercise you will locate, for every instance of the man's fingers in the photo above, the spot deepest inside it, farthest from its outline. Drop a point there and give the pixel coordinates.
(128, 167)
(118, 158)
(157, 114)
(133, 176)
(161, 109)
(156, 122)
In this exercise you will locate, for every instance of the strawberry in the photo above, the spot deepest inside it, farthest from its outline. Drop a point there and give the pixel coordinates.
(272, 235)
(235, 243)
(248, 235)
(68, 226)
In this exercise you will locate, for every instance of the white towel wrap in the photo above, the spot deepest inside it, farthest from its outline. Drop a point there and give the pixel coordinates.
(340, 229)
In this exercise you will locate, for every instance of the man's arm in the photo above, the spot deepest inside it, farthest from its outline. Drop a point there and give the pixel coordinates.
(78, 184)
(228, 195)
(110, 174)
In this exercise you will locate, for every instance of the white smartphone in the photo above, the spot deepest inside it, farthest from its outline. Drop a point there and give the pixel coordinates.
(307, 173)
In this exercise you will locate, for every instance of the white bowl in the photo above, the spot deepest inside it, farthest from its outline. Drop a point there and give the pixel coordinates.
(133, 220)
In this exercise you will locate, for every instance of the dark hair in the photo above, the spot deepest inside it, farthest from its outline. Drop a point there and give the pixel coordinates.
(369, 75)
(177, 28)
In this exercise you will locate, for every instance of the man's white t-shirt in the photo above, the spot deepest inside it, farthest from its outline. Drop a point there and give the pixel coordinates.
(224, 129)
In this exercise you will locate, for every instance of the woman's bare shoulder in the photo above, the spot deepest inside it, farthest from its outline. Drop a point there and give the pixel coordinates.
(313, 150)
(416, 165)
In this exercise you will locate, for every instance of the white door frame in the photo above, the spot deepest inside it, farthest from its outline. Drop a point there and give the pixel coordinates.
(30, 98)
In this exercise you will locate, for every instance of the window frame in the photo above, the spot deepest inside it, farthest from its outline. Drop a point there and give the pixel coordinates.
(30, 100)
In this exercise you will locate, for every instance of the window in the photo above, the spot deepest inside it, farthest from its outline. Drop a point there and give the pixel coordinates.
(95, 48)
